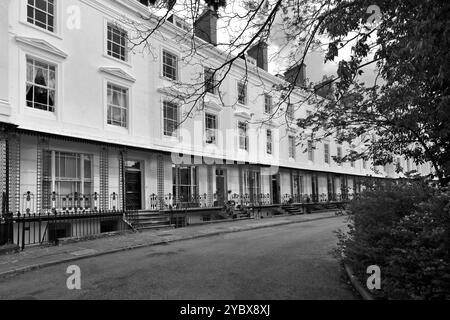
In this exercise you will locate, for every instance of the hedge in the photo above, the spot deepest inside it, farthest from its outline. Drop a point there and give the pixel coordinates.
(405, 230)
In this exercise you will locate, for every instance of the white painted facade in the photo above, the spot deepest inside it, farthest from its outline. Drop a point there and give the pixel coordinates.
(79, 124)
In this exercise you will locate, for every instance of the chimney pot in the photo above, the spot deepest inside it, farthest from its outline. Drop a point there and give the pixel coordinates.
(296, 75)
(260, 53)
(206, 26)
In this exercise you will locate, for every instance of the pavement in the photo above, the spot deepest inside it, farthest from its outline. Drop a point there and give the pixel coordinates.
(38, 257)
(285, 260)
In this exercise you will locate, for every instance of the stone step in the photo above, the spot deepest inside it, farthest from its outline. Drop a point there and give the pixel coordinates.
(157, 227)
(158, 219)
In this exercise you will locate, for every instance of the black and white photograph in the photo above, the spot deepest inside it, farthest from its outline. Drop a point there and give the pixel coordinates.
(224, 155)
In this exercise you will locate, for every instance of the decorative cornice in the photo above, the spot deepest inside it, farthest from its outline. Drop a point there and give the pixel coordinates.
(42, 45)
(169, 91)
(118, 72)
(212, 105)
(243, 114)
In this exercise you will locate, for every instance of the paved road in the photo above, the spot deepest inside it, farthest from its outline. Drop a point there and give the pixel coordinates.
(286, 262)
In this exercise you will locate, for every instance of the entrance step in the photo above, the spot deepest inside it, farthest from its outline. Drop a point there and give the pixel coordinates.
(290, 209)
(151, 220)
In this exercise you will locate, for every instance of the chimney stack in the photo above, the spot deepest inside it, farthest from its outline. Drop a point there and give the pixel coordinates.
(206, 26)
(260, 53)
(291, 74)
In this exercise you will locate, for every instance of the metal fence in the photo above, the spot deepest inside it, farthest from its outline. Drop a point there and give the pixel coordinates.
(168, 201)
(46, 228)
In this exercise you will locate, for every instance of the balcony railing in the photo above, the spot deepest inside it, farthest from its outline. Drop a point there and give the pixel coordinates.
(73, 203)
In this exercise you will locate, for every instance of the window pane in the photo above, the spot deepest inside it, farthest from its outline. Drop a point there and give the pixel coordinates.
(41, 84)
(117, 42)
(41, 14)
(87, 167)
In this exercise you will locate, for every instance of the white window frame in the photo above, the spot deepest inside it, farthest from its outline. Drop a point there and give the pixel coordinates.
(47, 14)
(245, 87)
(214, 88)
(176, 131)
(82, 179)
(310, 150)
(128, 101)
(213, 130)
(291, 147)
(107, 41)
(268, 97)
(245, 137)
(339, 154)
(269, 141)
(177, 65)
(326, 153)
(290, 112)
(55, 89)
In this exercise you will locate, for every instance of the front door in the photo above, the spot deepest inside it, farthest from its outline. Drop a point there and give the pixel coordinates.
(133, 185)
(275, 189)
(330, 187)
(221, 190)
(315, 188)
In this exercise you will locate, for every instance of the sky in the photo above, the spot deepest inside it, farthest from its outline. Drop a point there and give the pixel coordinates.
(316, 67)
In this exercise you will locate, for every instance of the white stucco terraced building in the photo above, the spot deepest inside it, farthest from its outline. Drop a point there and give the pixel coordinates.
(87, 123)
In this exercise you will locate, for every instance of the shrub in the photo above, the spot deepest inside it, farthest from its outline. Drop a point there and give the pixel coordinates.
(405, 230)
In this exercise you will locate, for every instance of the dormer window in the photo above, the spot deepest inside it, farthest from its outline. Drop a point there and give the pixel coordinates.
(41, 13)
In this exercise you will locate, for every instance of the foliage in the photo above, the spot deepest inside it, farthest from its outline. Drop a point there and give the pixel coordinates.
(404, 112)
(405, 230)
(408, 109)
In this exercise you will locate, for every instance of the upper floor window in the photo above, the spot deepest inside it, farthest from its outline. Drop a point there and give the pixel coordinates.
(210, 128)
(267, 104)
(327, 153)
(42, 14)
(243, 135)
(339, 154)
(170, 65)
(269, 141)
(242, 92)
(117, 42)
(310, 151)
(291, 147)
(117, 105)
(290, 112)
(41, 85)
(170, 118)
(210, 81)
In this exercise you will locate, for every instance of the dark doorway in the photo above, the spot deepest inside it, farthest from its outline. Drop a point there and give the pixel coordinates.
(315, 188)
(133, 185)
(221, 189)
(330, 187)
(276, 189)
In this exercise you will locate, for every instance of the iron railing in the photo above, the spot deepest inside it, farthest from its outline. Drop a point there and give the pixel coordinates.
(47, 228)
